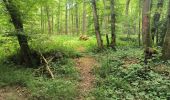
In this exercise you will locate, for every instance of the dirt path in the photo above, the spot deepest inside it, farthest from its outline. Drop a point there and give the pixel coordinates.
(14, 93)
(85, 65)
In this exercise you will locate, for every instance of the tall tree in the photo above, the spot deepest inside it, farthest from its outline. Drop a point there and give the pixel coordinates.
(105, 24)
(146, 23)
(84, 17)
(139, 33)
(66, 17)
(166, 45)
(77, 18)
(127, 16)
(146, 36)
(58, 16)
(96, 25)
(48, 18)
(113, 20)
(156, 19)
(22, 38)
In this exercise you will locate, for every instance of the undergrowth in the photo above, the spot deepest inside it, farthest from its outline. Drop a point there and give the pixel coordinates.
(38, 83)
(123, 75)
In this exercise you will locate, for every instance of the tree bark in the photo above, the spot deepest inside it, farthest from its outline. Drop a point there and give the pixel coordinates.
(127, 16)
(77, 18)
(105, 24)
(84, 17)
(113, 20)
(156, 19)
(146, 23)
(139, 34)
(166, 45)
(18, 24)
(49, 21)
(96, 25)
(66, 19)
(146, 36)
(58, 18)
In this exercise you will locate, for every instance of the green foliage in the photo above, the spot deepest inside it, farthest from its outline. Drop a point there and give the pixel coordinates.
(122, 75)
(41, 87)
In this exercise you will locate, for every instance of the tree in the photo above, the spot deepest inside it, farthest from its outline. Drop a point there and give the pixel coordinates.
(77, 18)
(18, 24)
(48, 18)
(84, 17)
(127, 15)
(166, 45)
(139, 33)
(96, 25)
(105, 24)
(66, 17)
(146, 27)
(113, 20)
(156, 19)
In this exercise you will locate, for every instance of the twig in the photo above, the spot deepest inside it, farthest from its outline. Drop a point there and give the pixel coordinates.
(47, 66)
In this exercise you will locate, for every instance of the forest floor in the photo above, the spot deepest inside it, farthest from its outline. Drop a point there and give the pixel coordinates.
(83, 72)
(14, 93)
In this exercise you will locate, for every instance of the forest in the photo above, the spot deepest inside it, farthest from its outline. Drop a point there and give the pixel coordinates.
(84, 49)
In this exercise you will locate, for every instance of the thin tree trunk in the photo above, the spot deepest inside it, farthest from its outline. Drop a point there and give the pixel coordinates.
(156, 19)
(77, 18)
(66, 19)
(113, 20)
(49, 21)
(84, 17)
(52, 21)
(96, 25)
(139, 34)
(58, 18)
(42, 20)
(127, 16)
(105, 23)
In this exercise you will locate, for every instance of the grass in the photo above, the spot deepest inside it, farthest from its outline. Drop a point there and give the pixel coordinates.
(121, 74)
(40, 85)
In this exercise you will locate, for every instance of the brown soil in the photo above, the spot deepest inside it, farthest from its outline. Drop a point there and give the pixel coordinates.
(14, 93)
(162, 69)
(129, 61)
(85, 66)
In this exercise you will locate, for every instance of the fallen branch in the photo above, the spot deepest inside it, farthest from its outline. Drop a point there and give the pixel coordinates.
(47, 66)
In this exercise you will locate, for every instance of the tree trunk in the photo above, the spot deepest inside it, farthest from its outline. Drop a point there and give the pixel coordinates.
(96, 25)
(139, 34)
(84, 17)
(156, 19)
(49, 21)
(77, 18)
(18, 24)
(105, 24)
(166, 45)
(146, 29)
(146, 23)
(113, 20)
(42, 20)
(58, 18)
(127, 16)
(66, 19)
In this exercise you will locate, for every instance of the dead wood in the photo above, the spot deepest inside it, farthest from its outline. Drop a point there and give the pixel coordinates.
(47, 67)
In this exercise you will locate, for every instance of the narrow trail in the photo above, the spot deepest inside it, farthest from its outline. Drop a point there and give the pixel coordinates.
(85, 65)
